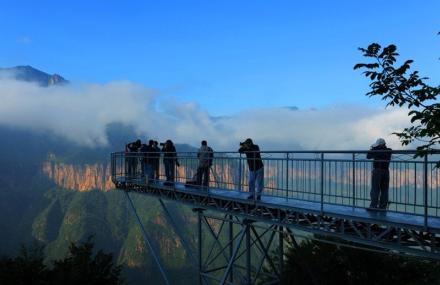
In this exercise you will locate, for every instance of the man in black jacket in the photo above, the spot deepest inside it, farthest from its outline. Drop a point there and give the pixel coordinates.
(380, 177)
(256, 167)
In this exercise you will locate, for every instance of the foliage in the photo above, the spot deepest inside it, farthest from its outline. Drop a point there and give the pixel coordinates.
(26, 268)
(400, 87)
(313, 262)
(80, 266)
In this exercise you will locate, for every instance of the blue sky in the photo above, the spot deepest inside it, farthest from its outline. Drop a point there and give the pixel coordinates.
(226, 56)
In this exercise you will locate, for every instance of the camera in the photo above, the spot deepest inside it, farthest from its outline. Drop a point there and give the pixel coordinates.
(162, 144)
(242, 143)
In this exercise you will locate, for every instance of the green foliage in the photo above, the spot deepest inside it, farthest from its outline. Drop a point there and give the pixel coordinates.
(313, 262)
(400, 87)
(80, 266)
(26, 268)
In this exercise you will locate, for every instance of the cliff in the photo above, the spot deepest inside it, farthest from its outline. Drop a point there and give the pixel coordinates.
(79, 177)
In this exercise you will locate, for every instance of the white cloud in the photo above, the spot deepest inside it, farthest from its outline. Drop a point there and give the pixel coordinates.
(81, 113)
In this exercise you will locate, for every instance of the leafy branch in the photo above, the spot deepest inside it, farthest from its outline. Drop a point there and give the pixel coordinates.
(399, 87)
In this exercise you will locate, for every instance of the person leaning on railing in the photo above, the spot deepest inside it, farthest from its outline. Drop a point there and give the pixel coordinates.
(256, 167)
(380, 176)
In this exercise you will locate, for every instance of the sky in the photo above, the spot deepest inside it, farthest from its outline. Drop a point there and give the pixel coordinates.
(231, 60)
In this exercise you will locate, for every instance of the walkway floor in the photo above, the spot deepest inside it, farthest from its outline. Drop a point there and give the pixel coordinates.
(390, 217)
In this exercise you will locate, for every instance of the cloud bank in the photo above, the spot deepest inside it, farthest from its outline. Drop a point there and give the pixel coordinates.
(81, 113)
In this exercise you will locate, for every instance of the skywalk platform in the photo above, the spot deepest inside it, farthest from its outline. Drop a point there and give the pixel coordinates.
(322, 193)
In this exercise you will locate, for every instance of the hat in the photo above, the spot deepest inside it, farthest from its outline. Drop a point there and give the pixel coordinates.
(379, 141)
(248, 140)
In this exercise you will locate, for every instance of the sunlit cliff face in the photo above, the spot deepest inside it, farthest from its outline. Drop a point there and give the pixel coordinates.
(79, 177)
(87, 177)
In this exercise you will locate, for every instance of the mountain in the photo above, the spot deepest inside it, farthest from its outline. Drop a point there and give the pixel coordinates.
(53, 191)
(31, 74)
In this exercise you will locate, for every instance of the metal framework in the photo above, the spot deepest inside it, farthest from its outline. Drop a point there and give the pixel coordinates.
(244, 234)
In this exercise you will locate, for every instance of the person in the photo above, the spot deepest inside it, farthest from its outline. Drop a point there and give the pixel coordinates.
(131, 152)
(169, 160)
(156, 159)
(148, 152)
(205, 156)
(256, 167)
(380, 176)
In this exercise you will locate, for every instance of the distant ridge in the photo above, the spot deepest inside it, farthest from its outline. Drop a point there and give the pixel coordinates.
(30, 74)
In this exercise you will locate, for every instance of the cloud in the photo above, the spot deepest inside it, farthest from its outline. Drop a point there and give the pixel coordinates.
(24, 40)
(81, 113)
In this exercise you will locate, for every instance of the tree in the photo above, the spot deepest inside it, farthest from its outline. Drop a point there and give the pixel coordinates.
(314, 262)
(80, 266)
(398, 86)
(26, 268)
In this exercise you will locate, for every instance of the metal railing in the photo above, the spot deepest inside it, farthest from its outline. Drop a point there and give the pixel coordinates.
(326, 177)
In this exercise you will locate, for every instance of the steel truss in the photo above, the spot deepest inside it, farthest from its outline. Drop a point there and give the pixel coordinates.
(393, 237)
(237, 251)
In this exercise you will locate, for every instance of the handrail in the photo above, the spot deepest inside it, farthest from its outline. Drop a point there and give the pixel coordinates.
(316, 176)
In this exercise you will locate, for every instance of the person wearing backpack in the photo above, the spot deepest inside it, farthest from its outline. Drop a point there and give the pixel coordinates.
(205, 156)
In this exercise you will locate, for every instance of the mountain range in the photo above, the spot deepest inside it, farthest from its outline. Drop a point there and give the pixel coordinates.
(53, 191)
(31, 74)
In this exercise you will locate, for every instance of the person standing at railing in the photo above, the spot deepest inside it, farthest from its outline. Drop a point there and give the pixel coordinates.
(380, 176)
(205, 155)
(256, 167)
(156, 159)
(148, 152)
(131, 157)
(169, 160)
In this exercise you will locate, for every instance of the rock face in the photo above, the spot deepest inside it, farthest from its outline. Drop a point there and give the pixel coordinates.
(30, 74)
(79, 177)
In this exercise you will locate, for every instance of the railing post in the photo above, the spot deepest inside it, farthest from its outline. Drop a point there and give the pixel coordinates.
(425, 190)
(287, 176)
(322, 183)
(353, 174)
(239, 173)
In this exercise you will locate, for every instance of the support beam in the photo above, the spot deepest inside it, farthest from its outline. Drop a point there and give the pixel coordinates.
(147, 241)
(234, 254)
(231, 245)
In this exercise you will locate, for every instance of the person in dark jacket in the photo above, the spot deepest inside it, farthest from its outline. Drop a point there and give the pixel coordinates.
(205, 156)
(131, 157)
(256, 167)
(380, 176)
(156, 159)
(148, 154)
(169, 160)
